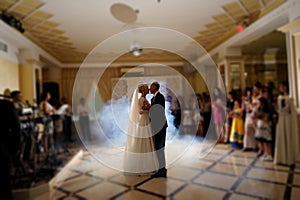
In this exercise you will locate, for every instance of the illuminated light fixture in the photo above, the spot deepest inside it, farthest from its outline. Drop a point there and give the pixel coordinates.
(137, 52)
(241, 25)
(135, 49)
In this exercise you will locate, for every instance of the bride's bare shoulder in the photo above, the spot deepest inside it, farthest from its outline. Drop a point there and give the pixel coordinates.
(141, 100)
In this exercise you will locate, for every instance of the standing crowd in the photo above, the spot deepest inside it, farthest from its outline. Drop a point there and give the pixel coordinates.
(265, 122)
(263, 119)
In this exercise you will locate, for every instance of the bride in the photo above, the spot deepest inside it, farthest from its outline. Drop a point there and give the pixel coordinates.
(140, 157)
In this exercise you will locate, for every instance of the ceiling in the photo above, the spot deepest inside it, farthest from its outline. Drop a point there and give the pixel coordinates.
(274, 40)
(69, 30)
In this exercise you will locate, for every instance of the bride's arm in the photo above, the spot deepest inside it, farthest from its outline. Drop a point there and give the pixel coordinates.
(144, 106)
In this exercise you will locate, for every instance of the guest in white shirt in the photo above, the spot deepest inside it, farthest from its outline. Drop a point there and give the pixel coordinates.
(84, 119)
(66, 116)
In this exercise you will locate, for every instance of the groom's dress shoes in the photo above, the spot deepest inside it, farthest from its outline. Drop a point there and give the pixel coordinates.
(161, 173)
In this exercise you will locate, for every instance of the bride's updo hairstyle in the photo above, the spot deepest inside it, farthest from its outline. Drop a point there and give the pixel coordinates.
(142, 88)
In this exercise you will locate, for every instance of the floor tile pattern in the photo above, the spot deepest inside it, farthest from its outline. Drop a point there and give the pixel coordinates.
(225, 173)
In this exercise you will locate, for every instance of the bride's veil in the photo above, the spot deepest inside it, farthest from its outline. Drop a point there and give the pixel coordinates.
(133, 113)
(135, 129)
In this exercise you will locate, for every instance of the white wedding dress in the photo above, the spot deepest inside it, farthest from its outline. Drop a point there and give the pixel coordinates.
(140, 156)
(287, 146)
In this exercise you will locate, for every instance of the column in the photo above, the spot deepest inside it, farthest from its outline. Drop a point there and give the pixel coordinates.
(27, 74)
(292, 32)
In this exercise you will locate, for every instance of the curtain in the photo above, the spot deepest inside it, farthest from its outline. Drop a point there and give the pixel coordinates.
(105, 84)
(67, 82)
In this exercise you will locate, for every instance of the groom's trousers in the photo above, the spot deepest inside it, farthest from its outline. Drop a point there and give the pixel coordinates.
(159, 142)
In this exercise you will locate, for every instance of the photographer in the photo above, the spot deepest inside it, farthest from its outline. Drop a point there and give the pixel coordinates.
(16, 97)
(27, 139)
(9, 145)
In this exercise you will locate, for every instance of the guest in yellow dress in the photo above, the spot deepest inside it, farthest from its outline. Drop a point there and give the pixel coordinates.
(237, 128)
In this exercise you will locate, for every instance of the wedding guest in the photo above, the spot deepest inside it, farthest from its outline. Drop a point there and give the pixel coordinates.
(257, 93)
(249, 139)
(27, 139)
(198, 118)
(237, 129)
(16, 96)
(47, 110)
(270, 86)
(286, 147)
(257, 90)
(84, 119)
(267, 94)
(67, 120)
(187, 119)
(218, 112)
(206, 112)
(229, 115)
(191, 115)
(263, 134)
(176, 112)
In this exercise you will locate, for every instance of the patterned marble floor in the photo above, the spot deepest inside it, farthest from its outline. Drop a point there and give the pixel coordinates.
(225, 173)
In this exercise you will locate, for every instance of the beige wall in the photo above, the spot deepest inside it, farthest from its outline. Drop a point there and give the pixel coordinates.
(54, 74)
(200, 85)
(9, 75)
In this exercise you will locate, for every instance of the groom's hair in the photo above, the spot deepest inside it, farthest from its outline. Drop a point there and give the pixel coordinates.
(156, 84)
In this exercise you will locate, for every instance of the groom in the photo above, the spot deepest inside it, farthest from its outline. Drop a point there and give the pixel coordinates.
(159, 126)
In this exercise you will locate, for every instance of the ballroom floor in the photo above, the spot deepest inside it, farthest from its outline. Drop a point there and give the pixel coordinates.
(225, 173)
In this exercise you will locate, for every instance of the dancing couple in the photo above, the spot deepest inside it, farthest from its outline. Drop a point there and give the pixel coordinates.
(145, 147)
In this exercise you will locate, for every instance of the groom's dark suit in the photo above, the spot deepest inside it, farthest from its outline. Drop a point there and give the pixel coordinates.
(159, 126)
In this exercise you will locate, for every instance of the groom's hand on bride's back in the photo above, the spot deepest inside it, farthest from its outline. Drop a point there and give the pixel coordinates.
(157, 116)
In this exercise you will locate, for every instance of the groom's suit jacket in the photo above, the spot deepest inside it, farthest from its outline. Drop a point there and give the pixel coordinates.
(158, 120)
